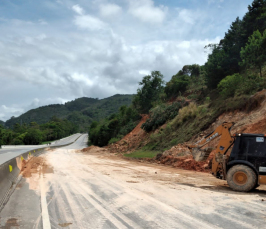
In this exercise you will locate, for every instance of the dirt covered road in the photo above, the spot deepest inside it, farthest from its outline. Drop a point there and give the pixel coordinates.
(97, 189)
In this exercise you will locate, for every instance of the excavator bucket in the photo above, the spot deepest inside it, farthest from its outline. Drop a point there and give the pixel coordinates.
(201, 154)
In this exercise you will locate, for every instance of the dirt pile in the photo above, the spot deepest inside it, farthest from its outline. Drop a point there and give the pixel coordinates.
(93, 149)
(186, 162)
(180, 156)
(35, 165)
(132, 140)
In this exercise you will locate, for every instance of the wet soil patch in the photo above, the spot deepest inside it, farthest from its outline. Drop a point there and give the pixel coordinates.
(64, 224)
(35, 165)
(10, 223)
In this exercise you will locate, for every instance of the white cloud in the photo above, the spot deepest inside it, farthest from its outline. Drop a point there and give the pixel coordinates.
(78, 9)
(9, 111)
(187, 16)
(89, 22)
(109, 10)
(145, 11)
(59, 62)
(42, 22)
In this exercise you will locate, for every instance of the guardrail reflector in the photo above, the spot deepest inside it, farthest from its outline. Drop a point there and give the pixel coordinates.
(29, 154)
(10, 168)
(22, 158)
(34, 151)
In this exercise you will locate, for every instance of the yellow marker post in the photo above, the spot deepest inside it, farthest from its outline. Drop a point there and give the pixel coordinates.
(29, 153)
(22, 158)
(10, 168)
(34, 151)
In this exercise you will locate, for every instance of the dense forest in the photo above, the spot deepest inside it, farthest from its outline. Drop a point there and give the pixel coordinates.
(196, 95)
(56, 121)
(34, 134)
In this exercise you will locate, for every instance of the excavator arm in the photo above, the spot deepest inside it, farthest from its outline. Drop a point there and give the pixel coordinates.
(220, 157)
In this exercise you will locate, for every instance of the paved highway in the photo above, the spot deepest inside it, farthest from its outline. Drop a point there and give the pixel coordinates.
(9, 152)
(99, 190)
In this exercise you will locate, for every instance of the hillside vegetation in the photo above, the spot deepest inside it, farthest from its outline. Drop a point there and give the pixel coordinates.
(197, 95)
(81, 111)
(56, 121)
(34, 134)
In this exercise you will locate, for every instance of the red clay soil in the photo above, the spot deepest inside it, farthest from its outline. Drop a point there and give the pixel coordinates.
(256, 128)
(35, 165)
(185, 162)
(93, 149)
(180, 156)
(131, 141)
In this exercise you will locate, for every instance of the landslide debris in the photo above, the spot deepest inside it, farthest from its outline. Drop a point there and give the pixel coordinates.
(35, 165)
(131, 141)
(251, 118)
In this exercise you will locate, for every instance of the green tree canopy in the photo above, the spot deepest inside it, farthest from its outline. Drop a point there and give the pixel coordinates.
(224, 57)
(151, 87)
(254, 53)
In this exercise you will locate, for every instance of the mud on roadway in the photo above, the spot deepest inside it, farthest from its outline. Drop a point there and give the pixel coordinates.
(96, 189)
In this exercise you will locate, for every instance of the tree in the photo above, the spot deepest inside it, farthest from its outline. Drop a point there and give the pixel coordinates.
(225, 57)
(33, 137)
(151, 87)
(254, 53)
(176, 85)
(217, 66)
(255, 18)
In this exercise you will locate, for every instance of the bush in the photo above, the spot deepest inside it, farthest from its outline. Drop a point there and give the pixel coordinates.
(249, 85)
(184, 114)
(17, 141)
(33, 137)
(235, 85)
(113, 140)
(229, 84)
(159, 115)
(176, 85)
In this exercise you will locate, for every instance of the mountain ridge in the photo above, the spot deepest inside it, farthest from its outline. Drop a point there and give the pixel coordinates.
(81, 111)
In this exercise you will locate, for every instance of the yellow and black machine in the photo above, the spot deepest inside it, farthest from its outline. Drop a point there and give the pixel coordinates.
(244, 166)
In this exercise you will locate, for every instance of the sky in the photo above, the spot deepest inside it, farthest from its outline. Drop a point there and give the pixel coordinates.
(53, 51)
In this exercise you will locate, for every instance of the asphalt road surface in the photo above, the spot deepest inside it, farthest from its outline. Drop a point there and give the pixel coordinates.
(14, 151)
(99, 190)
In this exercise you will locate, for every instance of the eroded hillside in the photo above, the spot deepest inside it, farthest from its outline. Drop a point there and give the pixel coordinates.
(250, 118)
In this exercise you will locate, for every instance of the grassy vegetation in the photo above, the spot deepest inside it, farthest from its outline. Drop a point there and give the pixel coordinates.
(192, 119)
(142, 154)
(45, 143)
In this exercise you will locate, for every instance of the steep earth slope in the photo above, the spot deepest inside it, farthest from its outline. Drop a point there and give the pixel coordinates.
(251, 118)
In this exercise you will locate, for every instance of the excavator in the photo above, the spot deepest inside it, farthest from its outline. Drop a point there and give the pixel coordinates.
(240, 158)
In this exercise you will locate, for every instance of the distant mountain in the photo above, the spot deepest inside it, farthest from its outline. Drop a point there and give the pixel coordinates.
(81, 111)
(2, 123)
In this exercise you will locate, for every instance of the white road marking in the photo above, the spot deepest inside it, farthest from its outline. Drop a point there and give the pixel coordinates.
(45, 215)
